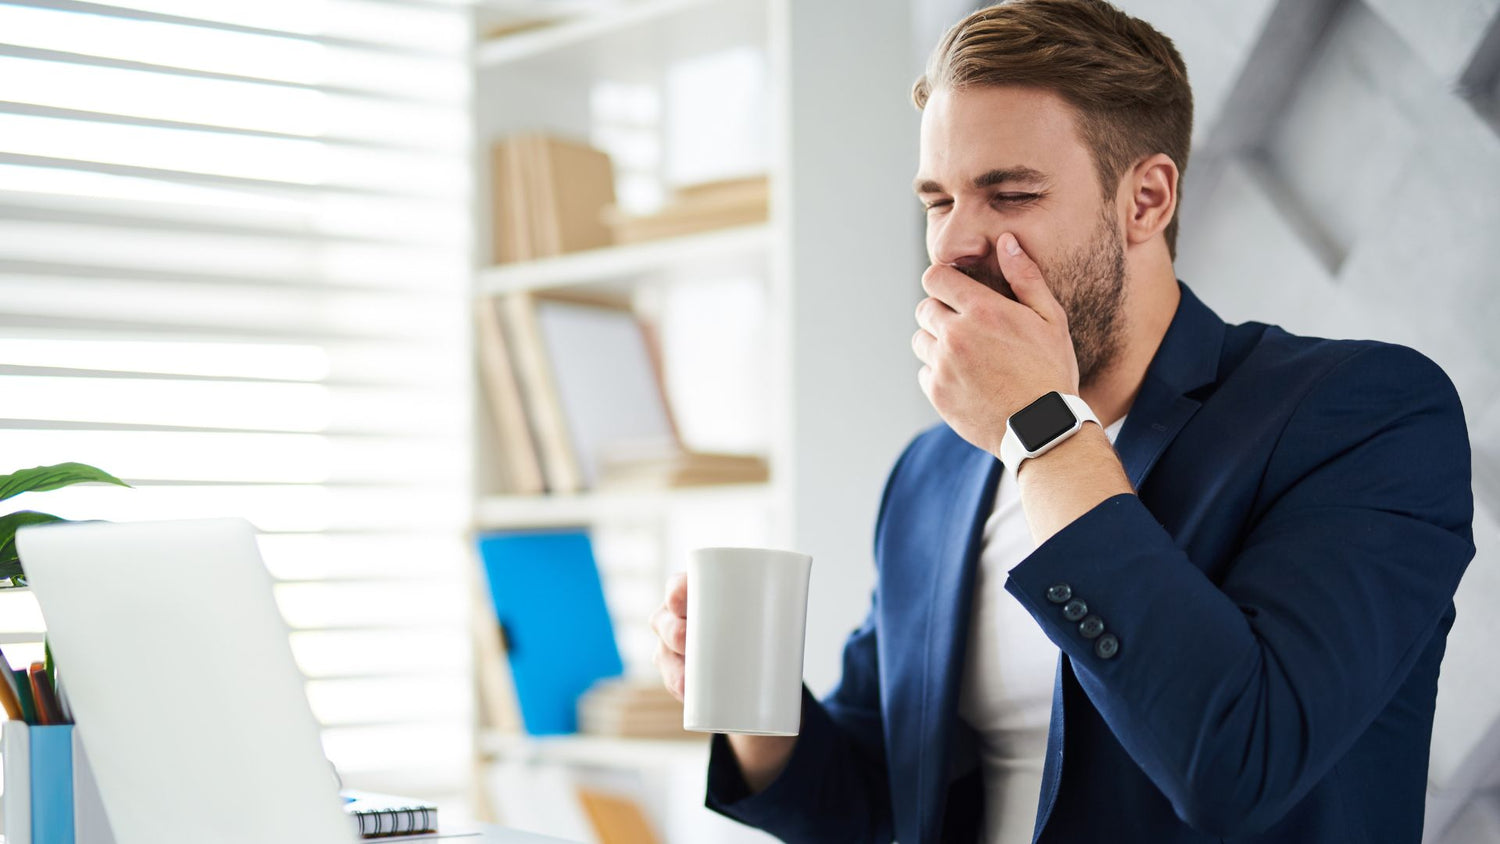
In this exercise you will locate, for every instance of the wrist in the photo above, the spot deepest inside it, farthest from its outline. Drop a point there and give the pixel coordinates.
(761, 759)
(1086, 446)
(1041, 426)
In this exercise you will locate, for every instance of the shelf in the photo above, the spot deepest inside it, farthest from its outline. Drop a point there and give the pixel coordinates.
(20, 637)
(629, 41)
(617, 268)
(597, 751)
(509, 512)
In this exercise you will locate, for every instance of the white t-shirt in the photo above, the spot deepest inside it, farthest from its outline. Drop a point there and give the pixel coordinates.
(1006, 695)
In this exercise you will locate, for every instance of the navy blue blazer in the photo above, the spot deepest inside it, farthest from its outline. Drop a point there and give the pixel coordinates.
(1280, 589)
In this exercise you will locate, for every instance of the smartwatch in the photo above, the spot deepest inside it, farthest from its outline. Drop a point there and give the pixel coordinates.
(1040, 427)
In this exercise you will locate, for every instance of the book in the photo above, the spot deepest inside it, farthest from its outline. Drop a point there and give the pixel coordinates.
(616, 819)
(697, 208)
(590, 377)
(382, 816)
(606, 377)
(496, 694)
(538, 386)
(548, 197)
(503, 243)
(681, 469)
(550, 606)
(632, 709)
(519, 461)
(578, 182)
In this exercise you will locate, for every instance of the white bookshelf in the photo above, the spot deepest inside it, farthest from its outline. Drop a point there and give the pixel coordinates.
(620, 269)
(512, 512)
(627, 41)
(542, 79)
(839, 263)
(17, 601)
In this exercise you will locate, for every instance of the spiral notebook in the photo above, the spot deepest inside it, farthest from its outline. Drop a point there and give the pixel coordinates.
(381, 815)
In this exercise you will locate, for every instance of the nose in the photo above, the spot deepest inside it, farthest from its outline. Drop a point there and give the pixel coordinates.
(958, 238)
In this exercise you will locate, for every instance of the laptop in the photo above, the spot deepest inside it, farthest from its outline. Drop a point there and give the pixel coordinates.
(180, 675)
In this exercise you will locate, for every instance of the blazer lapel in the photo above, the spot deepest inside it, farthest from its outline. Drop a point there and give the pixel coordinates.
(1187, 359)
(950, 600)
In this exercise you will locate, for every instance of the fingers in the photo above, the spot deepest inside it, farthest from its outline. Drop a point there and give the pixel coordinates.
(670, 624)
(670, 628)
(677, 594)
(951, 287)
(672, 669)
(934, 315)
(1026, 280)
(922, 343)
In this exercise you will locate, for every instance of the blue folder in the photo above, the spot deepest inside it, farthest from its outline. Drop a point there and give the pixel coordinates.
(550, 604)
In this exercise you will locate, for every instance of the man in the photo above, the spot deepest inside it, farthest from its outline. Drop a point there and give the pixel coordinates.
(1226, 625)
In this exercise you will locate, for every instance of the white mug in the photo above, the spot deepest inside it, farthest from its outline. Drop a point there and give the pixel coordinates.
(746, 623)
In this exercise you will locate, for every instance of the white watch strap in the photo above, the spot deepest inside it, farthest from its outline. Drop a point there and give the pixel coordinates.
(1012, 452)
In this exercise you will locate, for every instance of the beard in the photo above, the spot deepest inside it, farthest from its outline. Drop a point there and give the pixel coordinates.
(1089, 283)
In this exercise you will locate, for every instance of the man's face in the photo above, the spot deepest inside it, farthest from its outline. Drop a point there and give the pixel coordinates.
(998, 159)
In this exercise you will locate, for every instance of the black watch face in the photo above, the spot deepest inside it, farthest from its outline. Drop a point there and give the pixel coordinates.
(1042, 421)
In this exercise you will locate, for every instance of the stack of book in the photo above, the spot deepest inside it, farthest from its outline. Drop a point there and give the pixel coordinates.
(630, 467)
(549, 197)
(697, 208)
(577, 402)
(631, 709)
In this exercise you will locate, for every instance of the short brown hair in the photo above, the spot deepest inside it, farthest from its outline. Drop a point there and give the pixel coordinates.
(1126, 80)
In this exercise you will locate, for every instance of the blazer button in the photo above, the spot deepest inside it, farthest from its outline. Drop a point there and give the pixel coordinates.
(1059, 593)
(1091, 627)
(1075, 609)
(1106, 646)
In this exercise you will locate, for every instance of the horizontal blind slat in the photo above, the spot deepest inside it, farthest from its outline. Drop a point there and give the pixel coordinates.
(234, 270)
(228, 309)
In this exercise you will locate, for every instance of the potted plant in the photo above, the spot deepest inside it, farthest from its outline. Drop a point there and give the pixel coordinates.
(38, 479)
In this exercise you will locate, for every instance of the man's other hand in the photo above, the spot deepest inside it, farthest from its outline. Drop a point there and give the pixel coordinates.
(670, 623)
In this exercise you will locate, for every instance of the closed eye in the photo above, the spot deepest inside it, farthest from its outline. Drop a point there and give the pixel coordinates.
(1016, 197)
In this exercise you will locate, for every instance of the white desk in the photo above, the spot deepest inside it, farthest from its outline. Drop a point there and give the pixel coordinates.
(488, 834)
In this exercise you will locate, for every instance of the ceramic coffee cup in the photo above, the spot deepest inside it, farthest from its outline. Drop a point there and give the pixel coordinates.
(746, 624)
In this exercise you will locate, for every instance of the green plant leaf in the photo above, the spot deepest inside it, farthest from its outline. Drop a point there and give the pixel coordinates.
(43, 478)
(10, 561)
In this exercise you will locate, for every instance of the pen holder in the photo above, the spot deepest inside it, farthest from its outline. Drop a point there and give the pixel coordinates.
(50, 795)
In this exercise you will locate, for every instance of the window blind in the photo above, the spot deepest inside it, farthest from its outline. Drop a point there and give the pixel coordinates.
(235, 244)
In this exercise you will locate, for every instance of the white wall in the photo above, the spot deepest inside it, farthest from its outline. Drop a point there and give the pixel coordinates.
(1346, 183)
(856, 263)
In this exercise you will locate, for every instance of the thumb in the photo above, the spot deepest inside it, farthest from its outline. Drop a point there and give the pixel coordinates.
(1026, 280)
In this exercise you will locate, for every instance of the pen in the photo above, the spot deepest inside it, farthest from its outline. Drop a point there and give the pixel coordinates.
(23, 690)
(10, 700)
(44, 698)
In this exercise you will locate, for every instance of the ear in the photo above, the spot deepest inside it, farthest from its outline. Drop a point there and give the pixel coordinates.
(1150, 197)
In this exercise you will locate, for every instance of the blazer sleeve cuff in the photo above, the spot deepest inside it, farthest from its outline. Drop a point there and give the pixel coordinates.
(1116, 569)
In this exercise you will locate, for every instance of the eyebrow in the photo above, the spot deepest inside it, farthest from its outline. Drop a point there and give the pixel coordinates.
(998, 176)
